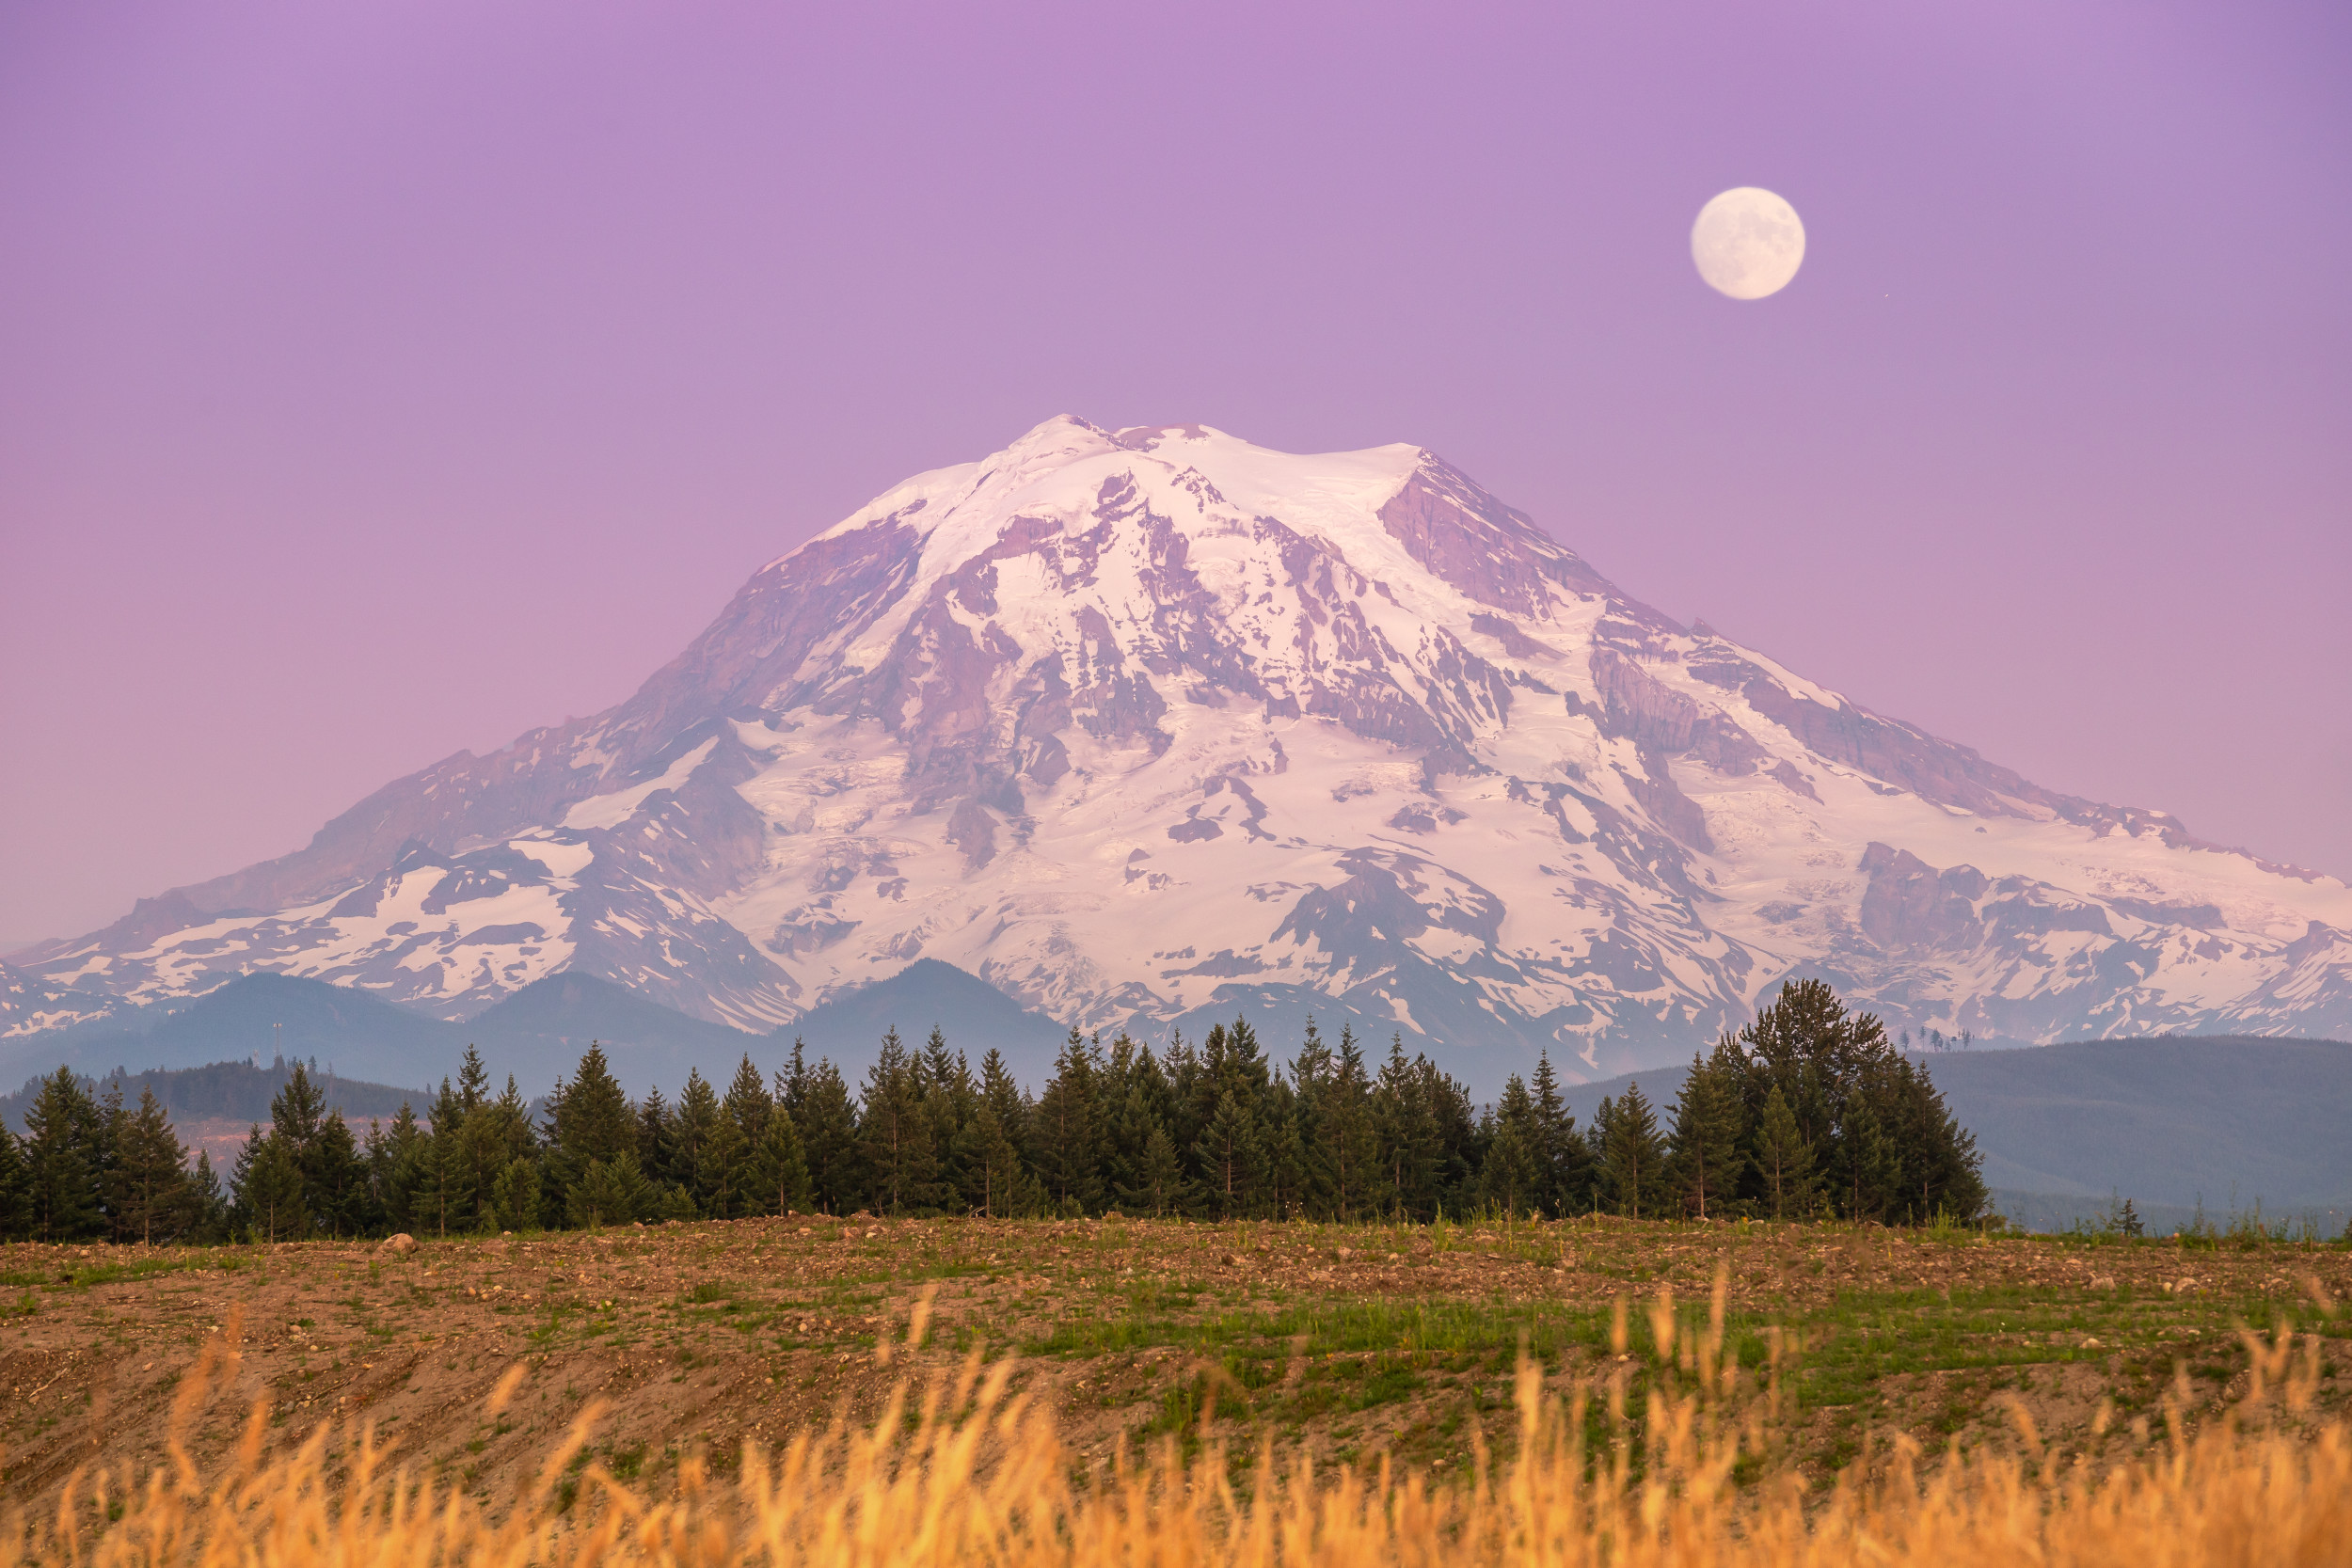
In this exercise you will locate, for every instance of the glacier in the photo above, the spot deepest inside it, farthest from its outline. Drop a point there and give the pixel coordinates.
(1150, 726)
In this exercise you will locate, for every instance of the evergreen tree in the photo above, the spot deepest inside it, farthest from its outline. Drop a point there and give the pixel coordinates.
(16, 1198)
(1708, 1128)
(1869, 1166)
(792, 1082)
(894, 1136)
(723, 1174)
(1784, 1158)
(395, 1163)
(1564, 1159)
(442, 1195)
(266, 1189)
(1460, 1147)
(1133, 1096)
(1001, 1095)
(1310, 1074)
(517, 1194)
(1066, 1131)
(1185, 1112)
(1347, 1143)
(657, 1132)
(589, 1123)
(997, 1181)
(336, 1195)
(611, 1192)
(949, 1099)
(1286, 1182)
(1231, 1090)
(63, 1151)
(299, 1109)
(513, 1119)
(1227, 1157)
(495, 1137)
(1942, 1173)
(335, 1179)
(1161, 1185)
(774, 1176)
(1633, 1155)
(1407, 1138)
(208, 1205)
(1513, 1175)
(107, 1151)
(590, 1116)
(828, 1129)
(1873, 1124)
(149, 1198)
(473, 1082)
(748, 1103)
(703, 1151)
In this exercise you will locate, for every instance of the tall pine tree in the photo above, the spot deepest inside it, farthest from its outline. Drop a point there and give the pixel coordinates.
(1783, 1158)
(1633, 1155)
(1066, 1131)
(894, 1135)
(150, 1200)
(64, 1153)
(828, 1126)
(1709, 1130)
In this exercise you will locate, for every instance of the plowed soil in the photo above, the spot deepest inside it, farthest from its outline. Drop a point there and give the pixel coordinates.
(1348, 1341)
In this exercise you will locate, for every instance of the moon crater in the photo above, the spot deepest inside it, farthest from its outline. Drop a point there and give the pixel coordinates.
(1748, 242)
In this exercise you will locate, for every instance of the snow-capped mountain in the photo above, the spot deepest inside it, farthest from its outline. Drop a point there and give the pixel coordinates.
(1135, 723)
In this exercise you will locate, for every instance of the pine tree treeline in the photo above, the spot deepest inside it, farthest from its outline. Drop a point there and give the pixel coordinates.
(1808, 1111)
(91, 1167)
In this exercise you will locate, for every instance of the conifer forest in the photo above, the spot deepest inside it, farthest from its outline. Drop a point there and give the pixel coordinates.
(1808, 1111)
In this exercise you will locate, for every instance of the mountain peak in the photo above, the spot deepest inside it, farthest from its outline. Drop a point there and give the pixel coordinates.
(1137, 727)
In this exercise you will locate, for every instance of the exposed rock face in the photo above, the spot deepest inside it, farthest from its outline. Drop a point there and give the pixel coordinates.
(1131, 723)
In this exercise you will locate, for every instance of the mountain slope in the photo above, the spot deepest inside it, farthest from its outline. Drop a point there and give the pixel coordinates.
(974, 1017)
(256, 1018)
(537, 1033)
(1134, 724)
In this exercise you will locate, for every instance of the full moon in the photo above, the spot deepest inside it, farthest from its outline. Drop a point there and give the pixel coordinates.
(1747, 243)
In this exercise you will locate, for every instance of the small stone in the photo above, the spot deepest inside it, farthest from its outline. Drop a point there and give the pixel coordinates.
(2104, 1282)
(400, 1245)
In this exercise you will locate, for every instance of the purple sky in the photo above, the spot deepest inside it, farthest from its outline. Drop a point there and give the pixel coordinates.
(379, 380)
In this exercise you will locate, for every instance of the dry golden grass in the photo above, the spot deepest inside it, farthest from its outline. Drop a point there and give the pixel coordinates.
(968, 1474)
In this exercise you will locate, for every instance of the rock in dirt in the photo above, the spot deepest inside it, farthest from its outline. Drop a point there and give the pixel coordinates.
(400, 1245)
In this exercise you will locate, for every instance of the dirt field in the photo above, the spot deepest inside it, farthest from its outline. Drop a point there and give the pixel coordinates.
(1347, 1341)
